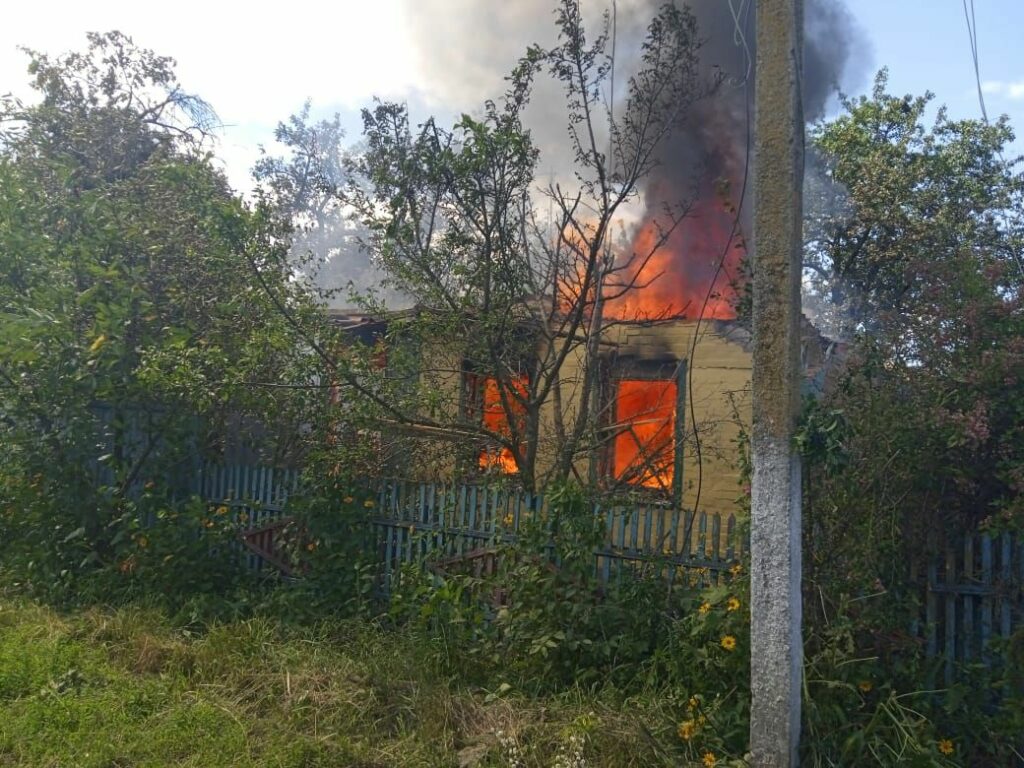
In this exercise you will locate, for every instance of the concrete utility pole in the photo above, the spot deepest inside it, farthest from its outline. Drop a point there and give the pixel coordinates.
(776, 650)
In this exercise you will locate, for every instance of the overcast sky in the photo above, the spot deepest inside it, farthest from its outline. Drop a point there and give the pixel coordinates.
(257, 65)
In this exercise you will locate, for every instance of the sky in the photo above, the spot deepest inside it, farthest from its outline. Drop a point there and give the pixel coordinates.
(257, 66)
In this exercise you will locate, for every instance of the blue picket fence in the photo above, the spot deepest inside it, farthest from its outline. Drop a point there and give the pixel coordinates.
(256, 497)
(974, 599)
(424, 522)
(973, 590)
(258, 493)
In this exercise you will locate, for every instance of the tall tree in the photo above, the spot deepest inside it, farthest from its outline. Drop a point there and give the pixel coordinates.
(303, 186)
(129, 304)
(509, 276)
(921, 270)
(896, 201)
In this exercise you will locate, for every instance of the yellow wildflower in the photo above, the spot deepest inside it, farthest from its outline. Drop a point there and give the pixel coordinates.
(509, 520)
(946, 747)
(736, 570)
(347, 500)
(693, 703)
(222, 510)
(729, 643)
(704, 607)
(686, 730)
(311, 546)
(733, 604)
(208, 523)
(865, 686)
(368, 503)
(710, 760)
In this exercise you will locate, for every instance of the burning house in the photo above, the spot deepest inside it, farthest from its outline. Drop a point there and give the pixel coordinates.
(674, 398)
(664, 392)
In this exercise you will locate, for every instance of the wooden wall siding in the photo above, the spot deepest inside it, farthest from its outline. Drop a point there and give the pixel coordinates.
(974, 597)
(720, 376)
(432, 521)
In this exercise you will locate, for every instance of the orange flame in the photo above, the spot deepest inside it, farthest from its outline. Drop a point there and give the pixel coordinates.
(644, 451)
(495, 419)
(674, 278)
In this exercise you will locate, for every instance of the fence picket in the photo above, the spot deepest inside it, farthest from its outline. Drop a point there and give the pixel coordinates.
(716, 536)
(1005, 575)
(967, 602)
(463, 517)
(932, 608)
(605, 562)
(950, 579)
(986, 600)
(634, 529)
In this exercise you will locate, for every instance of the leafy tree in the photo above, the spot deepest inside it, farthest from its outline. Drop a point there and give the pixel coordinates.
(303, 187)
(510, 276)
(920, 440)
(132, 327)
(925, 262)
(897, 203)
(915, 259)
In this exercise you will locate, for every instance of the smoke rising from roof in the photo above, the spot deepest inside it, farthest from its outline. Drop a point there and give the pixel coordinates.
(466, 48)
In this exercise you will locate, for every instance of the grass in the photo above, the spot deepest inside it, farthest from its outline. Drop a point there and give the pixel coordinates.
(120, 688)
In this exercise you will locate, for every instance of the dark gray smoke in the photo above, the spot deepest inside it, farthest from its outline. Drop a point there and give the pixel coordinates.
(706, 161)
(717, 130)
(466, 47)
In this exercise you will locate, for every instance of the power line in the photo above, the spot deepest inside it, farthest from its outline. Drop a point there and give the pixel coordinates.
(972, 36)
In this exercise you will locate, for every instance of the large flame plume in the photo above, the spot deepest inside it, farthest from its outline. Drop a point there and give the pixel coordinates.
(689, 272)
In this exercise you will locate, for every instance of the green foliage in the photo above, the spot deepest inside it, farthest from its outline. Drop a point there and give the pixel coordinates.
(333, 545)
(705, 661)
(903, 217)
(920, 437)
(559, 623)
(544, 621)
(132, 687)
(915, 258)
(132, 325)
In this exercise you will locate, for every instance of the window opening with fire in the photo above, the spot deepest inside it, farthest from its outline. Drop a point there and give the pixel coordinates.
(643, 448)
(485, 394)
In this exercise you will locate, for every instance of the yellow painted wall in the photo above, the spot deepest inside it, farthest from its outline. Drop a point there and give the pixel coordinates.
(719, 385)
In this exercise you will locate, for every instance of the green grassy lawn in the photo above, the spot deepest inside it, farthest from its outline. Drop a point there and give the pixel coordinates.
(118, 688)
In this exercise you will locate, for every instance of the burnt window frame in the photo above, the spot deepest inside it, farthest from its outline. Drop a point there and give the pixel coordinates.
(471, 407)
(626, 368)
